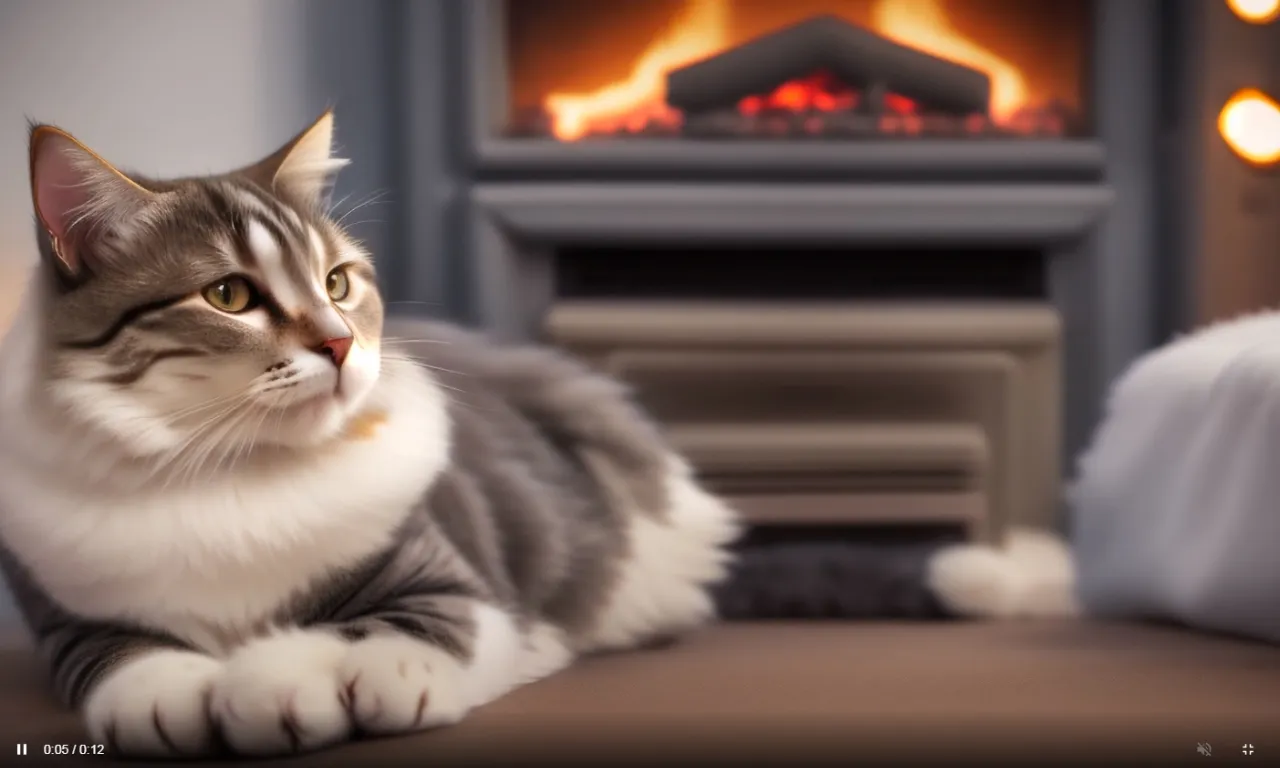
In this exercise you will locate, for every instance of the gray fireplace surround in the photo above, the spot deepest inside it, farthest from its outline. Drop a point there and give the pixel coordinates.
(473, 218)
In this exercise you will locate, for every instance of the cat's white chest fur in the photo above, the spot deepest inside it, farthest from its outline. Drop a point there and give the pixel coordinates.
(213, 563)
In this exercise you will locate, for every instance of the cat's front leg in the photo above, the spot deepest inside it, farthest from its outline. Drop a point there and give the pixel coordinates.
(139, 693)
(395, 683)
(280, 693)
(424, 662)
(409, 663)
(155, 705)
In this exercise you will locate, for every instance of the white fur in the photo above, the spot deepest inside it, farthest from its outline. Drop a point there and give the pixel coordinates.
(399, 684)
(546, 650)
(298, 689)
(1047, 574)
(494, 668)
(279, 688)
(169, 685)
(974, 581)
(230, 551)
(1031, 575)
(211, 562)
(270, 263)
(662, 589)
(322, 259)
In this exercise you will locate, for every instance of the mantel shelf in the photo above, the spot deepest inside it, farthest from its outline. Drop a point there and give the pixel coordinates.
(986, 214)
(1040, 160)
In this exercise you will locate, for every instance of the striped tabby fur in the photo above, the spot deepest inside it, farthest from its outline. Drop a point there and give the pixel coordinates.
(239, 509)
(237, 512)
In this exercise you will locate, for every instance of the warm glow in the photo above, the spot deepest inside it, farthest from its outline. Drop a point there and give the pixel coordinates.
(1256, 11)
(922, 24)
(1250, 124)
(701, 30)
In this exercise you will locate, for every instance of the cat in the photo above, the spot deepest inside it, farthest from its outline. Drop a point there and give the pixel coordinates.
(242, 509)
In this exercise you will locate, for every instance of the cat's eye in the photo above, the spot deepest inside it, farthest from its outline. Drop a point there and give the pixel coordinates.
(338, 284)
(231, 294)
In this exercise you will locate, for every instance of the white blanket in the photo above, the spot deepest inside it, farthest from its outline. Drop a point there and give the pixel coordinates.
(1176, 505)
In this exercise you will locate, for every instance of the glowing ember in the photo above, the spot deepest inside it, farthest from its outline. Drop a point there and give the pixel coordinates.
(701, 30)
(820, 92)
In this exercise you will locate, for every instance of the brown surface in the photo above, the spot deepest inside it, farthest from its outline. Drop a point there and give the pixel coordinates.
(853, 692)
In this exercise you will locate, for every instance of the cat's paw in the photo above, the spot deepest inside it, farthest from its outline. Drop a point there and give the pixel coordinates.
(395, 684)
(1048, 571)
(1031, 576)
(974, 581)
(155, 706)
(279, 694)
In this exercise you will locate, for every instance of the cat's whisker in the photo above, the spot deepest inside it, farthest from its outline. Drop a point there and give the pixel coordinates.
(416, 341)
(333, 208)
(355, 513)
(240, 439)
(175, 457)
(214, 446)
(212, 402)
(224, 406)
(423, 364)
(251, 437)
(183, 461)
(232, 439)
(364, 221)
(376, 199)
(438, 383)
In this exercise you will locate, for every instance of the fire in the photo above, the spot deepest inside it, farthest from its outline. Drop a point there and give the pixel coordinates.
(702, 30)
(922, 24)
(820, 91)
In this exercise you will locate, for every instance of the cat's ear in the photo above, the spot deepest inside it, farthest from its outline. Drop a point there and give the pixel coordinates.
(304, 167)
(78, 196)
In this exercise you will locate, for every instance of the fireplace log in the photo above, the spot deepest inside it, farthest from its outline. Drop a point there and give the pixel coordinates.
(857, 57)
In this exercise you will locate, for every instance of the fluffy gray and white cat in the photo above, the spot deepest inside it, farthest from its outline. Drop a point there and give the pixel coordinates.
(235, 510)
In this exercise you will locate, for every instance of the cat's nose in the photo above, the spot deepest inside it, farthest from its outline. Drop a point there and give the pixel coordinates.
(336, 349)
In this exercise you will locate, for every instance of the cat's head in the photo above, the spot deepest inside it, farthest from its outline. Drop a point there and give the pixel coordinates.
(202, 313)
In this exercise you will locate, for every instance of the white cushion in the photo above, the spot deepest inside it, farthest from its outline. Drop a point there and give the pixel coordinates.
(1176, 504)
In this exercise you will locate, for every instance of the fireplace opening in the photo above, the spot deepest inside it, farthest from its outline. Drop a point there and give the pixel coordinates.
(802, 69)
(753, 273)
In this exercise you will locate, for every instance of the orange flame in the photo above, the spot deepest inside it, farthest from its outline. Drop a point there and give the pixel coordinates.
(702, 30)
(922, 24)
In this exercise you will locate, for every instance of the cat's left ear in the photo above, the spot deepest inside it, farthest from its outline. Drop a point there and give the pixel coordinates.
(304, 168)
(80, 199)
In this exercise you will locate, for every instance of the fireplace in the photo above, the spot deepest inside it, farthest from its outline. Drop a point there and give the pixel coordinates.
(847, 251)
(955, 290)
(819, 69)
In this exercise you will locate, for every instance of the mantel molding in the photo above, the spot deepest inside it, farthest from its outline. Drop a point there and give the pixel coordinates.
(947, 160)
(983, 214)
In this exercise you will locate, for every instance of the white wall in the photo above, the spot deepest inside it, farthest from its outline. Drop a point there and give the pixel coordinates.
(163, 87)
(159, 86)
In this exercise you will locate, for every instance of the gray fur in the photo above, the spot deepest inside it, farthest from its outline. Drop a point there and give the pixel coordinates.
(546, 454)
(548, 462)
(523, 517)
